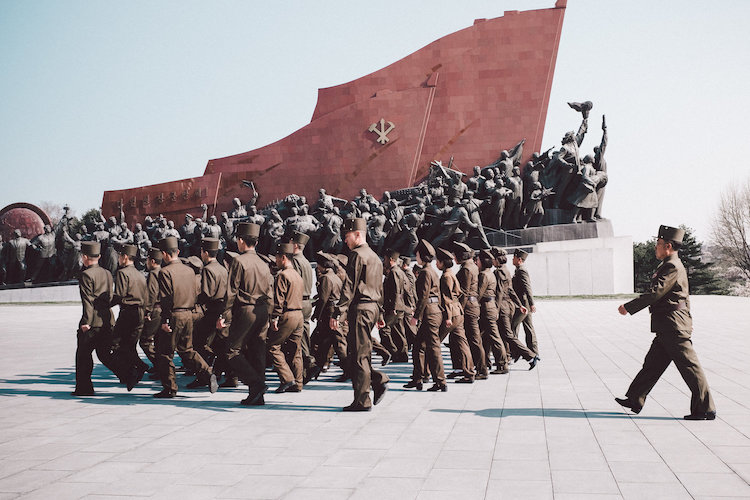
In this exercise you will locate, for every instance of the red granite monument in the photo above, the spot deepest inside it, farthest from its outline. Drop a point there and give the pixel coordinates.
(467, 95)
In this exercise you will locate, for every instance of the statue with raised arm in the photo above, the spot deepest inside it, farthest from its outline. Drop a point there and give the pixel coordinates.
(44, 245)
(566, 164)
(600, 165)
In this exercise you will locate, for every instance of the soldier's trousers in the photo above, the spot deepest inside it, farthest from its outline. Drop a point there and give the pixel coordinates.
(493, 343)
(329, 338)
(528, 328)
(95, 339)
(429, 335)
(248, 334)
(181, 340)
(148, 335)
(285, 347)
(667, 347)
(307, 356)
(362, 318)
(128, 329)
(514, 346)
(409, 330)
(474, 337)
(393, 336)
(459, 345)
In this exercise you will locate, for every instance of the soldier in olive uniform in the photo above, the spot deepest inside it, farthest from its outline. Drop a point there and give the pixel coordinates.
(95, 326)
(303, 267)
(668, 300)
(507, 303)
(329, 291)
(486, 291)
(286, 325)
(361, 299)
(394, 285)
(468, 278)
(453, 318)
(246, 313)
(522, 287)
(177, 292)
(212, 296)
(151, 308)
(429, 317)
(410, 300)
(130, 294)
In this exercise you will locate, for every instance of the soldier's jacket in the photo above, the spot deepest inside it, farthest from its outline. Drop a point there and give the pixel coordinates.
(95, 286)
(468, 280)
(250, 282)
(427, 287)
(176, 287)
(130, 287)
(506, 295)
(303, 267)
(287, 292)
(152, 291)
(522, 287)
(329, 291)
(213, 290)
(668, 298)
(450, 292)
(394, 285)
(364, 280)
(487, 285)
(410, 297)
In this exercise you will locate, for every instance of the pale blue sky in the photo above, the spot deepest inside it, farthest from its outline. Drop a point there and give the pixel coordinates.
(109, 95)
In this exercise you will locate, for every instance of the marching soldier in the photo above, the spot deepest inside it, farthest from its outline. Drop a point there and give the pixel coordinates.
(286, 328)
(453, 318)
(246, 313)
(130, 294)
(468, 278)
(212, 296)
(428, 316)
(361, 299)
(329, 291)
(303, 267)
(392, 334)
(95, 326)
(410, 301)
(486, 290)
(522, 287)
(177, 292)
(668, 300)
(151, 308)
(508, 302)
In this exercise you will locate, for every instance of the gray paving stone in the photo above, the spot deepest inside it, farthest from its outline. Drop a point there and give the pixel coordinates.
(554, 432)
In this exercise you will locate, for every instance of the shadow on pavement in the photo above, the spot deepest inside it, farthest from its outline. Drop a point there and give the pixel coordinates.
(549, 412)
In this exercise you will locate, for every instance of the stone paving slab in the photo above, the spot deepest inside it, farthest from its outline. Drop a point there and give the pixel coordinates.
(554, 432)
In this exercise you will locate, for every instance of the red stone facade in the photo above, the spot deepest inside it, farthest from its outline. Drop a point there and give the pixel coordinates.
(468, 95)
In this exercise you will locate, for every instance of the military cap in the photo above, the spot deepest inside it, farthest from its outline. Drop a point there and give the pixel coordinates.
(154, 253)
(248, 230)
(521, 254)
(392, 254)
(485, 254)
(323, 257)
(343, 259)
(357, 224)
(193, 261)
(300, 238)
(425, 249)
(498, 252)
(405, 260)
(168, 244)
(443, 254)
(91, 248)
(671, 233)
(284, 248)
(462, 247)
(129, 250)
(209, 244)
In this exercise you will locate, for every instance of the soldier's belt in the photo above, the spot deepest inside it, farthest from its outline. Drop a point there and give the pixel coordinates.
(433, 300)
(487, 299)
(471, 298)
(681, 305)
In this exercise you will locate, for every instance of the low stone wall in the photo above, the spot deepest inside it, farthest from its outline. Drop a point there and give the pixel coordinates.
(57, 292)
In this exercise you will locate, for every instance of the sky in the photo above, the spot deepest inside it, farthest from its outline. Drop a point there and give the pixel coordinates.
(100, 96)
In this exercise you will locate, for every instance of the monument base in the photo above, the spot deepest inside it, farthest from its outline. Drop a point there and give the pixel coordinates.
(595, 266)
(602, 228)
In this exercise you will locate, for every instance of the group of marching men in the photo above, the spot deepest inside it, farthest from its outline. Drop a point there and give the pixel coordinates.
(236, 318)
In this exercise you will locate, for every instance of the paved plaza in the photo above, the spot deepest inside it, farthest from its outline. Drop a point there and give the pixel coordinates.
(554, 432)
